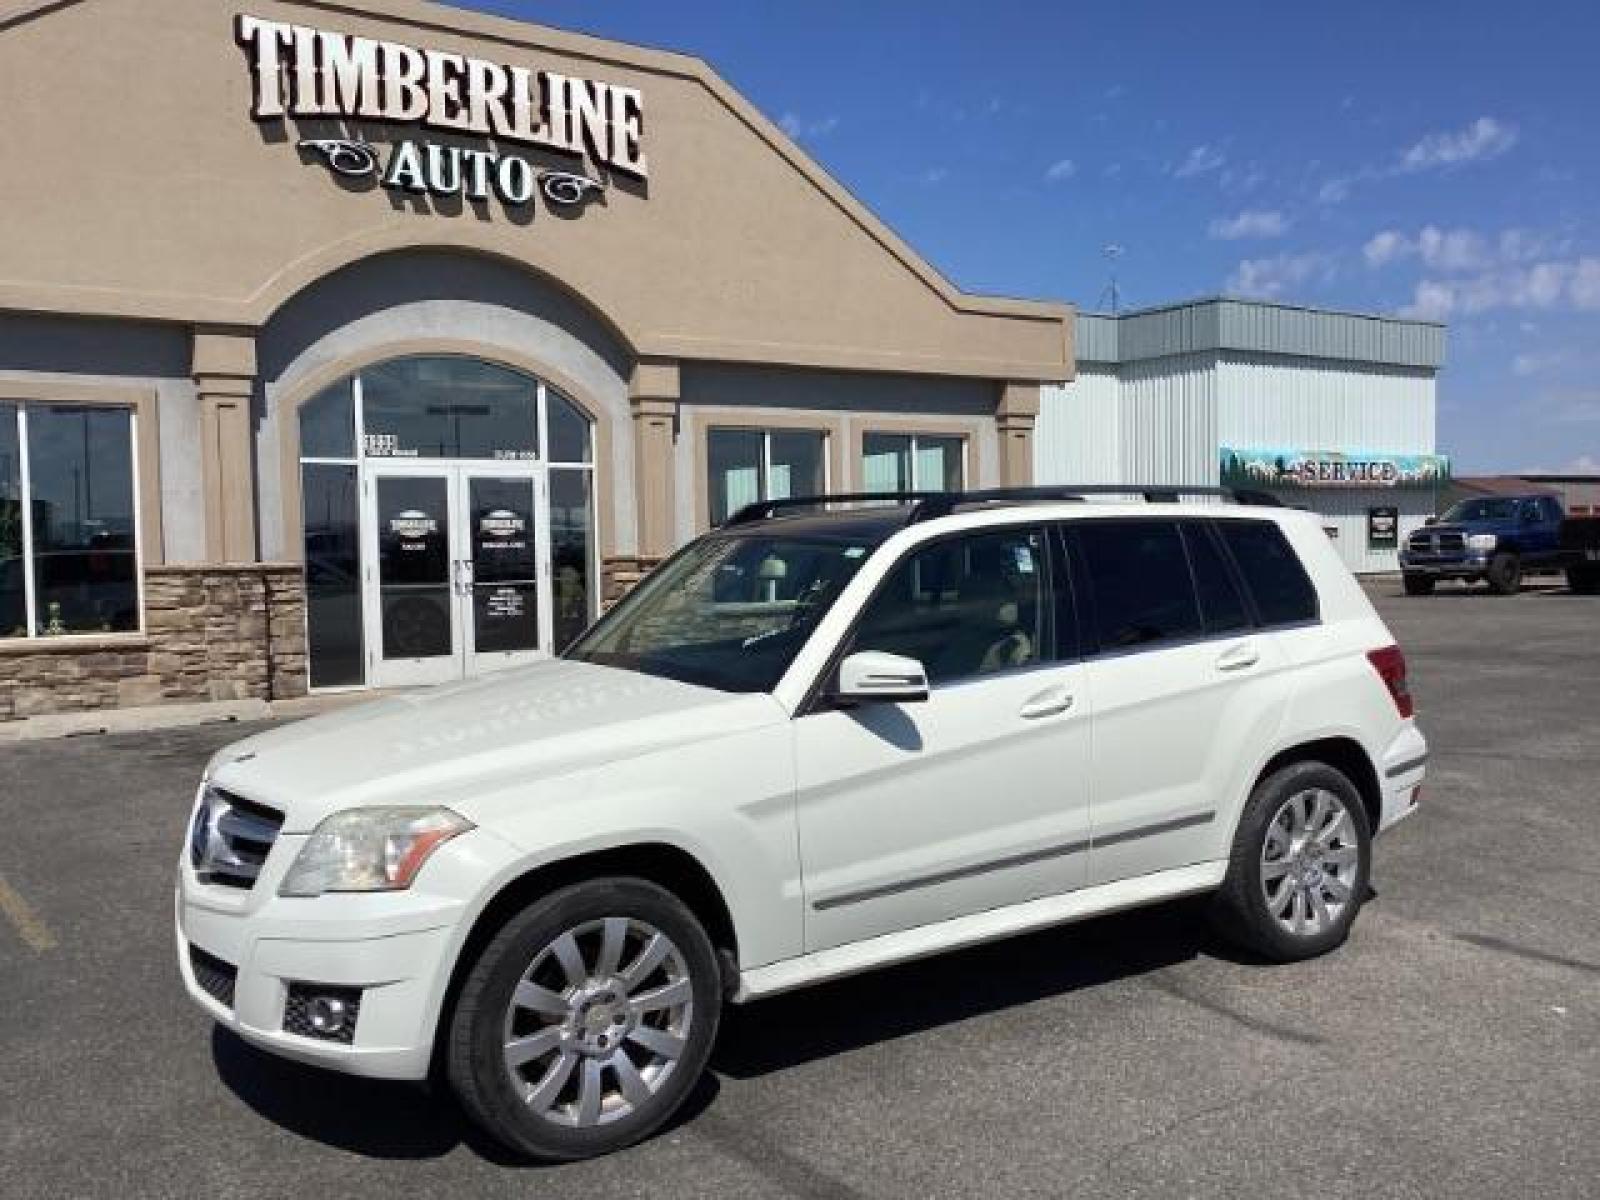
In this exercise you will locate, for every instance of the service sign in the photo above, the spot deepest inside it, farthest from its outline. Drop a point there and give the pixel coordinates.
(311, 75)
(1331, 469)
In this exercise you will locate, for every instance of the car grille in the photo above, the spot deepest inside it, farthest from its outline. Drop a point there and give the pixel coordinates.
(1427, 542)
(215, 977)
(230, 838)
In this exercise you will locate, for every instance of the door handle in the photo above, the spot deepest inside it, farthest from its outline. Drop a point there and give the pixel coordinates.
(1238, 658)
(1048, 703)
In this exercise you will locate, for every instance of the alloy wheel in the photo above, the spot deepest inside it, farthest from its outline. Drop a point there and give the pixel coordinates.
(598, 1022)
(1309, 862)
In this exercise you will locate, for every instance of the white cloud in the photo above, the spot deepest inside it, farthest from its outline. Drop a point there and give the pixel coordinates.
(1540, 362)
(1269, 278)
(1251, 223)
(1484, 139)
(935, 175)
(1562, 284)
(801, 129)
(1112, 170)
(1202, 159)
(1455, 250)
(1062, 168)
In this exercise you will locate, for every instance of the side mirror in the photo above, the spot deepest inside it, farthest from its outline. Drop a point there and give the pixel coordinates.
(1431, 521)
(873, 677)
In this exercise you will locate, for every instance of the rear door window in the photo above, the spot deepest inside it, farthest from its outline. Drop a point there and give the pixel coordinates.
(1136, 574)
(1222, 605)
(1282, 591)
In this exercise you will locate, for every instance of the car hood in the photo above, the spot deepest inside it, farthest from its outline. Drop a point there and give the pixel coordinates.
(450, 745)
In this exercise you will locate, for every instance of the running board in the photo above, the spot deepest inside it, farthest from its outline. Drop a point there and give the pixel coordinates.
(927, 940)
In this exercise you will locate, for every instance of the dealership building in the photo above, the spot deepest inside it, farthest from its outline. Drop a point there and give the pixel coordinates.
(1328, 411)
(371, 343)
(359, 344)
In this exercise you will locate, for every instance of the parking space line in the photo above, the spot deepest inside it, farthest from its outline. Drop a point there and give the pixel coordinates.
(27, 923)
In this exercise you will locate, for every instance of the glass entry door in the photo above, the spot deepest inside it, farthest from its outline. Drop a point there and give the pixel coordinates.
(459, 576)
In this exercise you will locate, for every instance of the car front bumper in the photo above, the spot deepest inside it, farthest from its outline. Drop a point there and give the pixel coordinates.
(394, 950)
(1467, 567)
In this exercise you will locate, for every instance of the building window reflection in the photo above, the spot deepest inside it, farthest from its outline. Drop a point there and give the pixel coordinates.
(68, 526)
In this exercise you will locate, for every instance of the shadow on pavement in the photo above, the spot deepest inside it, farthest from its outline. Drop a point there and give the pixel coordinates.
(786, 1031)
(387, 1120)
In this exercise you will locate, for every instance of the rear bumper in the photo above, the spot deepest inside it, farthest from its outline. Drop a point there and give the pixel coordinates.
(1400, 775)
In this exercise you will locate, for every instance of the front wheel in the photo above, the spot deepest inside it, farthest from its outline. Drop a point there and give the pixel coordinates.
(1419, 585)
(1298, 871)
(1504, 574)
(586, 1021)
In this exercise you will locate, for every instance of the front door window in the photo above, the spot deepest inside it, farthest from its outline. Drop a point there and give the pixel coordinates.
(415, 564)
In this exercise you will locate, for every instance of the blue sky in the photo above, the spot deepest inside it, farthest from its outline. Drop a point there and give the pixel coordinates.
(1436, 159)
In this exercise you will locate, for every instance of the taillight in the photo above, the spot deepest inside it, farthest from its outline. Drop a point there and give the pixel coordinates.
(1390, 665)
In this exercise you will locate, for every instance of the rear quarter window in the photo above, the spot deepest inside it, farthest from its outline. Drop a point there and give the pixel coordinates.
(1278, 584)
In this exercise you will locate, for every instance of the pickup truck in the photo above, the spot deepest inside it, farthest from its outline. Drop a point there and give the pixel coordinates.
(1497, 539)
(1580, 543)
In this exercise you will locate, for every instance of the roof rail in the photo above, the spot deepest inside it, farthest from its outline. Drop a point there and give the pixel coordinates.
(762, 509)
(928, 505)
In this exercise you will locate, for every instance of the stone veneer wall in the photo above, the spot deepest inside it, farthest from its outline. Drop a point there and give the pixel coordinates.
(211, 633)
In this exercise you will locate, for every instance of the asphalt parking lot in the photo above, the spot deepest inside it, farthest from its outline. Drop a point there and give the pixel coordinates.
(1452, 1048)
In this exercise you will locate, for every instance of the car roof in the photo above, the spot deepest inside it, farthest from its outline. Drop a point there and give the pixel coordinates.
(876, 524)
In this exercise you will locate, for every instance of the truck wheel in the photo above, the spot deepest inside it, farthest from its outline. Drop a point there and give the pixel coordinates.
(1504, 574)
(1419, 585)
(585, 1022)
(1584, 580)
(1297, 874)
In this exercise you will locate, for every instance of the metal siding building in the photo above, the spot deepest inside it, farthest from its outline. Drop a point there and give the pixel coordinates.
(1162, 393)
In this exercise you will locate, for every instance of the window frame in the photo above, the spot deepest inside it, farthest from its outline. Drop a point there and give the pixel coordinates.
(1261, 625)
(23, 400)
(915, 484)
(764, 471)
(816, 696)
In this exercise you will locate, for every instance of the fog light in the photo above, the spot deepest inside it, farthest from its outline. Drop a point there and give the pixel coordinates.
(327, 1014)
(322, 1011)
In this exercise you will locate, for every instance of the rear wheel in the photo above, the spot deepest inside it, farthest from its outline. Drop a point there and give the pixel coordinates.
(586, 1021)
(1584, 579)
(1298, 871)
(1419, 585)
(1505, 574)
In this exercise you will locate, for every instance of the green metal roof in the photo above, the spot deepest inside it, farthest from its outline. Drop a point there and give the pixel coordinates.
(1222, 323)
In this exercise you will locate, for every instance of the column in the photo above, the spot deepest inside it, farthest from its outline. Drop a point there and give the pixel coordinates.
(224, 377)
(654, 396)
(1014, 419)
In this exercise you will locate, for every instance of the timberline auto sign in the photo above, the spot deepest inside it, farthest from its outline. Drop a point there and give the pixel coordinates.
(1331, 469)
(305, 74)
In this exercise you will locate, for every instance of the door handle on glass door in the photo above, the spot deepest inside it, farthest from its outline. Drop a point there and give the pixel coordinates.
(1048, 703)
(1237, 658)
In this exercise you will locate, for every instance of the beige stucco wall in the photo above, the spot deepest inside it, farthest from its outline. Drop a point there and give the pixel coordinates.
(136, 183)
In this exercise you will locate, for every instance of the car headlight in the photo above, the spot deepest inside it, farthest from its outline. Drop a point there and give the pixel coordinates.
(370, 850)
(1482, 541)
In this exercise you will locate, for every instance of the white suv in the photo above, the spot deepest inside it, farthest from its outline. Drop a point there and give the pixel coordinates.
(810, 744)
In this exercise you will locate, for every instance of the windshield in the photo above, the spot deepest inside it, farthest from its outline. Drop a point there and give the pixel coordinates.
(1482, 509)
(729, 612)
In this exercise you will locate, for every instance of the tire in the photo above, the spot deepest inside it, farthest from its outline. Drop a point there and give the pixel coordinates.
(597, 1074)
(1584, 580)
(1251, 908)
(1504, 574)
(1419, 585)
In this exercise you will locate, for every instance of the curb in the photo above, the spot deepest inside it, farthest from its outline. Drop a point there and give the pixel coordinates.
(174, 716)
